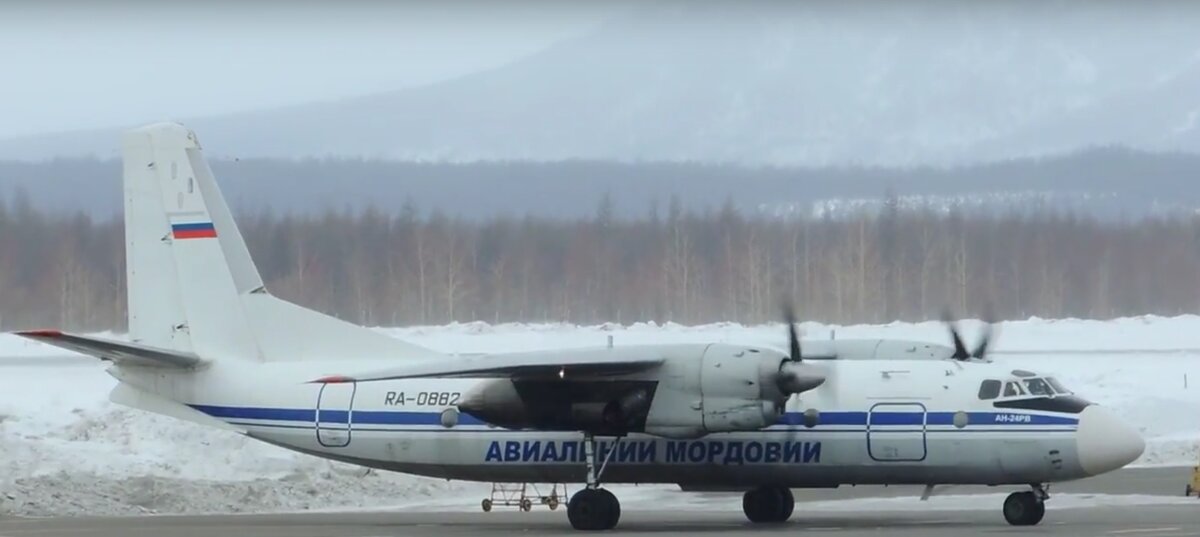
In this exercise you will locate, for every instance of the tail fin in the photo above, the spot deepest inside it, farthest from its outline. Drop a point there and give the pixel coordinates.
(193, 286)
(183, 295)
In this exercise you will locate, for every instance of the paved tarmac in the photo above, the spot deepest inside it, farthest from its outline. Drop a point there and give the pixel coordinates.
(1138, 521)
(1163, 481)
(1175, 520)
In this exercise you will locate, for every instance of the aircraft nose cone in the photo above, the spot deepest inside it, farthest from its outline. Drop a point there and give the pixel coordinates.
(1106, 443)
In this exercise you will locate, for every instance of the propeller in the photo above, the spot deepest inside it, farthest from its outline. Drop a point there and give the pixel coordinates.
(960, 349)
(789, 317)
(794, 375)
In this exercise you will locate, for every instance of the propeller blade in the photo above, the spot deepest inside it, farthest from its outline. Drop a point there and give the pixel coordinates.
(789, 317)
(985, 338)
(960, 349)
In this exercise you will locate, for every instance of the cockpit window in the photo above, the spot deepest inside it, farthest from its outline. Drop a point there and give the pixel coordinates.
(1058, 387)
(1039, 386)
(1012, 389)
(990, 389)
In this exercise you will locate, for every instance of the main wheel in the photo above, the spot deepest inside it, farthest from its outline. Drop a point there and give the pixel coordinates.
(593, 509)
(768, 504)
(486, 504)
(614, 508)
(1024, 509)
(753, 506)
(789, 504)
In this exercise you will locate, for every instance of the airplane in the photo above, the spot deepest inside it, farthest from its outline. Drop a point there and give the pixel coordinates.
(209, 344)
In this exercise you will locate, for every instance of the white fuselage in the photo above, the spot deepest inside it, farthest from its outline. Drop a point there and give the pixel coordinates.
(880, 421)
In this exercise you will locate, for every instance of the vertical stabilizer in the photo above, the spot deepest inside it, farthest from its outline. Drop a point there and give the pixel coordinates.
(183, 282)
(192, 283)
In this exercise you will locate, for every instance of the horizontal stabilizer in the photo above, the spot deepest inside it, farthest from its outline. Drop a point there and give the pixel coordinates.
(573, 364)
(115, 351)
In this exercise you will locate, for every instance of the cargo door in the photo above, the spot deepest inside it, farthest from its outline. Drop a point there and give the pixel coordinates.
(896, 432)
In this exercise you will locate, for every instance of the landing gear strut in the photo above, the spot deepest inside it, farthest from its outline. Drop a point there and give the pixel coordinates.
(594, 508)
(768, 504)
(1026, 508)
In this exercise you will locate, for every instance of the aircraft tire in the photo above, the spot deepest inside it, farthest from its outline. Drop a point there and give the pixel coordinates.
(768, 504)
(1024, 509)
(614, 508)
(593, 510)
(789, 504)
(752, 506)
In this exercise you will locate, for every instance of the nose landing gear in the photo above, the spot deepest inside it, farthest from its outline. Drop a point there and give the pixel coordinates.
(768, 504)
(1026, 508)
(594, 508)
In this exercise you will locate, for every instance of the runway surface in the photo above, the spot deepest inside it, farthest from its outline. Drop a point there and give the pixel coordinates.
(1179, 519)
(1157, 521)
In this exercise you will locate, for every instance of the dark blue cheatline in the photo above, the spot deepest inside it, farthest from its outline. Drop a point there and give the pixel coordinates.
(398, 417)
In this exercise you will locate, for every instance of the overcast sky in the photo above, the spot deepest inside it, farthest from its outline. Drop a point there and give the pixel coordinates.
(77, 65)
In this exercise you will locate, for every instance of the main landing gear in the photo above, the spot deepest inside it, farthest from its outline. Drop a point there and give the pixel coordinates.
(768, 504)
(1026, 508)
(594, 508)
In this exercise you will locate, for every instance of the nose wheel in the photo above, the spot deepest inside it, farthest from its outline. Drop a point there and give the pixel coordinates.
(1026, 508)
(768, 504)
(594, 508)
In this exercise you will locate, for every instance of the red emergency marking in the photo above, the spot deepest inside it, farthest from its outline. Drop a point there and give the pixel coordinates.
(45, 332)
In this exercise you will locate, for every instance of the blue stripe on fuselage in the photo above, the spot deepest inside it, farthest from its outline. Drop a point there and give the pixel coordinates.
(850, 418)
(372, 417)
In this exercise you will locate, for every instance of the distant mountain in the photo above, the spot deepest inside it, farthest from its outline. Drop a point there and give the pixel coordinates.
(780, 83)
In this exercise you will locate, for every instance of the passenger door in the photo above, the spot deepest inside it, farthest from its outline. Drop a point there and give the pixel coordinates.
(334, 416)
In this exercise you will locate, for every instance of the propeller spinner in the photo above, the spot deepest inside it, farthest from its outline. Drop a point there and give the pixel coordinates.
(794, 375)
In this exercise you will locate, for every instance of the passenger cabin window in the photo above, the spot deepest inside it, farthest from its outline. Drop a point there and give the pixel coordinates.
(990, 389)
(1038, 387)
(1012, 389)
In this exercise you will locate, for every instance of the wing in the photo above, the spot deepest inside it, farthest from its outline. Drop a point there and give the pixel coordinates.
(540, 364)
(115, 351)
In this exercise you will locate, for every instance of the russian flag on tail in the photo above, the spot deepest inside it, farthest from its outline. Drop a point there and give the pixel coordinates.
(198, 230)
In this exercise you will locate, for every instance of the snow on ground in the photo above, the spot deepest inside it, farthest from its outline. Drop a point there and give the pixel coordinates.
(65, 450)
(1150, 332)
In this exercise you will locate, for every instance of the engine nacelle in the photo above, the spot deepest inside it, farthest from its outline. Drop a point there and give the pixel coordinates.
(699, 389)
(730, 388)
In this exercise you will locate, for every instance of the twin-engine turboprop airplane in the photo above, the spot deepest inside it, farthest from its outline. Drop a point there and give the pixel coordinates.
(210, 345)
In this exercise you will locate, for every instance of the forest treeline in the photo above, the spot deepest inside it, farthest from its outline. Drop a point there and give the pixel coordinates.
(412, 267)
(1110, 182)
